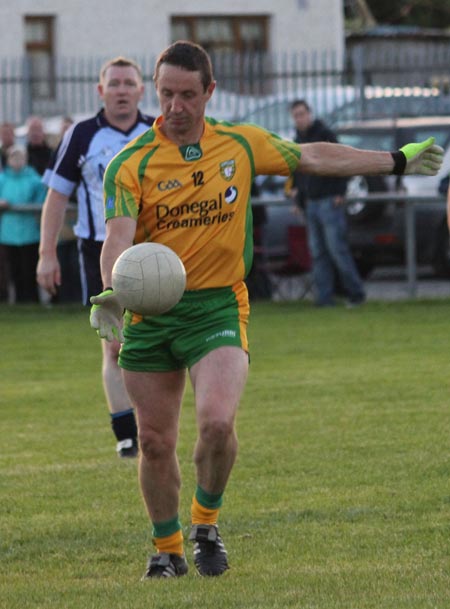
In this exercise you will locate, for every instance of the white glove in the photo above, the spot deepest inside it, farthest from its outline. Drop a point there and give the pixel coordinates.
(424, 158)
(106, 316)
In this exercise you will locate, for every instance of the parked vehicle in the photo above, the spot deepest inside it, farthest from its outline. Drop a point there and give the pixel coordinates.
(377, 230)
(273, 111)
(340, 104)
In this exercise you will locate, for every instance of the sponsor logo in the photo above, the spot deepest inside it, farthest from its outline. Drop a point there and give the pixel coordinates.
(231, 194)
(223, 333)
(110, 203)
(204, 212)
(193, 152)
(169, 185)
(227, 169)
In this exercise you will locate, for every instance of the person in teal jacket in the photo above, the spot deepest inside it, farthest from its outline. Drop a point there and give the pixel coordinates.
(20, 184)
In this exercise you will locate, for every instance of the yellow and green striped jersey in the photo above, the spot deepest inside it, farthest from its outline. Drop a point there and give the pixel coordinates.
(196, 199)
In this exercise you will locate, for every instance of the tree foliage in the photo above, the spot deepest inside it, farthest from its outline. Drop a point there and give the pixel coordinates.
(423, 13)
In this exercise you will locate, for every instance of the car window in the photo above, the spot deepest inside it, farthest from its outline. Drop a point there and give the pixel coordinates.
(274, 117)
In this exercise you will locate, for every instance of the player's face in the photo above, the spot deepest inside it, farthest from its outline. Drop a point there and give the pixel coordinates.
(182, 98)
(121, 90)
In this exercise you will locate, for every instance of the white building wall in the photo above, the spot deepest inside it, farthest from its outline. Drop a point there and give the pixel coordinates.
(95, 30)
(136, 27)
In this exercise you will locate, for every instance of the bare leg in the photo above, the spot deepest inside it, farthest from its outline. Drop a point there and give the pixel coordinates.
(116, 395)
(218, 380)
(157, 398)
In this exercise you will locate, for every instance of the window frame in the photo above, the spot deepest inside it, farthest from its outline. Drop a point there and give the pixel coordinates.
(47, 47)
(230, 59)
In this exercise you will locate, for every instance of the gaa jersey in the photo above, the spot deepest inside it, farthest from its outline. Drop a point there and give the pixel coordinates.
(80, 163)
(196, 199)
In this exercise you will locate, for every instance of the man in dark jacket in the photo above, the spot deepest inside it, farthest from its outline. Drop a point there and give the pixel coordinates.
(322, 198)
(39, 152)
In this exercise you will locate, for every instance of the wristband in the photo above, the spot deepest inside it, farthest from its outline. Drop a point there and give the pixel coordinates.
(399, 162)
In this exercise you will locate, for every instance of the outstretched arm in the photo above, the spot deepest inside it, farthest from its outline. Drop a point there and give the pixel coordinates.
(328, 159)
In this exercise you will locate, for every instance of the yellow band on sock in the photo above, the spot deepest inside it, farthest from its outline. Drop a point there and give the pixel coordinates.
(172, 544)
(203, 515)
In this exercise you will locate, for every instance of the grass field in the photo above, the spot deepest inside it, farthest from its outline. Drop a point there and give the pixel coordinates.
(340, 497)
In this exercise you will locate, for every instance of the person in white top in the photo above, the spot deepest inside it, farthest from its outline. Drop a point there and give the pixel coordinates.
(80, 161)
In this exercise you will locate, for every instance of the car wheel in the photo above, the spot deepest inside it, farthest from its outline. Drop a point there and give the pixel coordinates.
(441, 263)
(361, 186)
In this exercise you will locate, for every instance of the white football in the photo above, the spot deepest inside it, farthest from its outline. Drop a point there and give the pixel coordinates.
(148, 278)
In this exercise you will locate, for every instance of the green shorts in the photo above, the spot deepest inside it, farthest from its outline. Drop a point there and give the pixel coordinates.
(202, 321)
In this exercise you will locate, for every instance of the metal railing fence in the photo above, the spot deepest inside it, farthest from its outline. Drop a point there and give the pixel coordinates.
(246, 82)
(410, 203)
(410, 245)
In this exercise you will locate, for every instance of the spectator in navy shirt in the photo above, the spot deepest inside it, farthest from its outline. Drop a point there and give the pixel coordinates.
(323, 200)
(39, 152)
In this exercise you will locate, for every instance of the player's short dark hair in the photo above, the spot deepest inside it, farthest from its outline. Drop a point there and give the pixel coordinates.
(189, 56)
(301, 102)
(121, 62)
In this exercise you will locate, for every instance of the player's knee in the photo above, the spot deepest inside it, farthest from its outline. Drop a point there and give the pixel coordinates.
(216, 432)
(156, 446)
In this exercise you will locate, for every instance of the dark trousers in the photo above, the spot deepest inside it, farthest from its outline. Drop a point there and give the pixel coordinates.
(4, 274)
(22, 262)
(330, 251)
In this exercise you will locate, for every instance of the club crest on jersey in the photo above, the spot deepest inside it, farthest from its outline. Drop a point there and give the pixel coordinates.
(228, 169)
(193, 152)
(231, 194)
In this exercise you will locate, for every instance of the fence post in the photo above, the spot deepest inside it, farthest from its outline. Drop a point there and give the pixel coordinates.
(358, 60)
(27, 89)
(411, 265)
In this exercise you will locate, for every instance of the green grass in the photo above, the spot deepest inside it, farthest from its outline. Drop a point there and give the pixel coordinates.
(340, 497)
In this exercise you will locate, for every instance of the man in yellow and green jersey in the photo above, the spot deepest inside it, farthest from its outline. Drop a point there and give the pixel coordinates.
(196, 198)
(186, 183)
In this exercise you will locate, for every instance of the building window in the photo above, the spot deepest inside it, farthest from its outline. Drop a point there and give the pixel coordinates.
(39, 51)
(229, 40)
